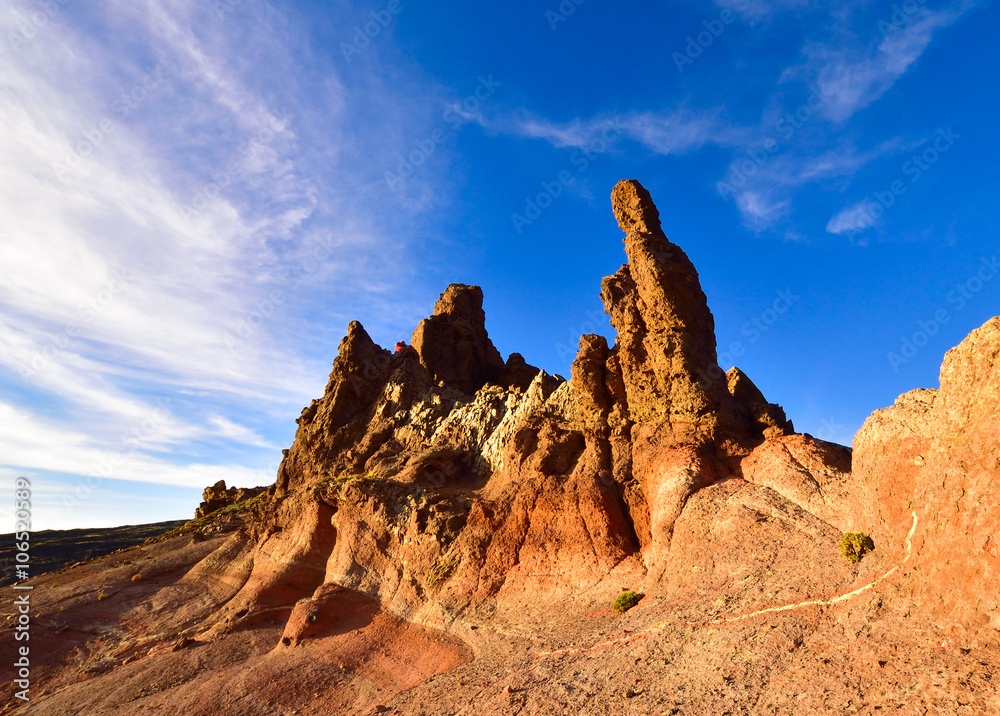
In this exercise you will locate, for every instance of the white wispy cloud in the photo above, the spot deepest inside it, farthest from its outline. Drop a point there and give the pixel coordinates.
(866, 213)
(853, 76)
(664, 133)
(166, 233)
(763, 191)
(683, 131)
(240, 433)
(856, 217)
(761, 209)
(100, 248)
(846, 76)
(34, 443)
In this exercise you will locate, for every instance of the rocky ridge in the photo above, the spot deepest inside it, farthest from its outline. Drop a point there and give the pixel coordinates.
(217, 497)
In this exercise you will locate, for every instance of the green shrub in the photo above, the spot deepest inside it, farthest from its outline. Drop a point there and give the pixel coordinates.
(626, 600)
(855, 545)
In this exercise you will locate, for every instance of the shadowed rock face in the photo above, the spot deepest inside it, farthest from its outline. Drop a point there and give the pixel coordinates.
(453, 345)
(442, 486)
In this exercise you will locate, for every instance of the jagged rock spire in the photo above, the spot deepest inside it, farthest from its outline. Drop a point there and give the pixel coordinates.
(666, 332)
(453, 344)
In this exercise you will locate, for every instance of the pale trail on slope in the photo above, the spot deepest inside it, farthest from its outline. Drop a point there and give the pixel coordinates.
(731, 620)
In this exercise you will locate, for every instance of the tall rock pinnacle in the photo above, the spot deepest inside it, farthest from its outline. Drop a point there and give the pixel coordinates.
(666, 333)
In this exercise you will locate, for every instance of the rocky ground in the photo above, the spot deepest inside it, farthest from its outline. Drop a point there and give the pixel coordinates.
(449, 530)
(685, 651)
(55, 549)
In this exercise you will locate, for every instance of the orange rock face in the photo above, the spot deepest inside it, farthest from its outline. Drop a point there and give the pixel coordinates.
(448, 531)
(934, 458)
(814, 474)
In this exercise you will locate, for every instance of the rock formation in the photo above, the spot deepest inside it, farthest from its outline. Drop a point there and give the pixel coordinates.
(448, 528)
(217, 497)
(453, 345)
(643, 425)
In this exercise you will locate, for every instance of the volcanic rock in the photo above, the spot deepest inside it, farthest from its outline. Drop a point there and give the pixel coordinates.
(217, 496)
(930, 464)
(449, 529)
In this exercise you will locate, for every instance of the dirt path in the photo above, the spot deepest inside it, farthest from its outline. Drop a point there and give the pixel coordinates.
(642, 634)
(834, 600)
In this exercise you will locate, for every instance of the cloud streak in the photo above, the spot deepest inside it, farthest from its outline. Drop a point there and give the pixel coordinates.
(850, 219)
(853, 78)
(166, 235)
(680, 131)
(763, 185)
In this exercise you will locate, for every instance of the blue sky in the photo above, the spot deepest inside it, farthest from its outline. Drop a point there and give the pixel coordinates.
(197, 197)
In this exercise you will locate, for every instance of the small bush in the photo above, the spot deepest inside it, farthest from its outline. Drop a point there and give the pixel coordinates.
(855, 545)
(626, 600)
(102, 596)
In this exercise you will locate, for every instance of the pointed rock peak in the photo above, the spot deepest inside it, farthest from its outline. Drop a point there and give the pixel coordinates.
(355, 329)
(453, 344)
(666, 333)
(634, 208)
(742, 388)
(358, 356)
(659, 274)
(356, 345)
(517, 373)
(462, 301)
(769, 417)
